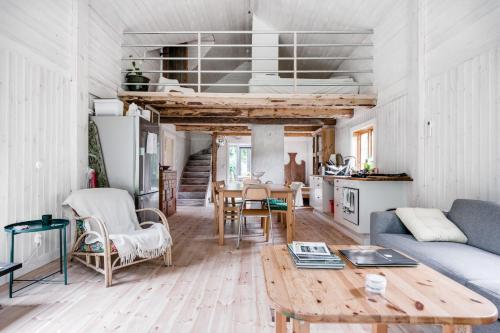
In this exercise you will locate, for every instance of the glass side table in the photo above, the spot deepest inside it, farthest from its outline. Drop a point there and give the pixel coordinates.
(37, 226)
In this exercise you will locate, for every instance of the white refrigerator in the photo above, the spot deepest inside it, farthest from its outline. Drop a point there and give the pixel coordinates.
(131, 148)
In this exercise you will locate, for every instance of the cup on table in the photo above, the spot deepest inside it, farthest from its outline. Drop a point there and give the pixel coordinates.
(47, 219)
(375, 284)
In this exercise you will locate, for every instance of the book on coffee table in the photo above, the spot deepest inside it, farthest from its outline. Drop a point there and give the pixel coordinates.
(377, 258)
(314, 255)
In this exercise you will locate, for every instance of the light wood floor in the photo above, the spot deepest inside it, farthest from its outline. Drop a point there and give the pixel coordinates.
(209, 289)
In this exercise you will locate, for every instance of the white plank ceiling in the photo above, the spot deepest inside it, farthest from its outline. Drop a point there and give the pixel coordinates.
(192, 15)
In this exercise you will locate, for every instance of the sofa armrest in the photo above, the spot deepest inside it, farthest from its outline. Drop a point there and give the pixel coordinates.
(385, 223)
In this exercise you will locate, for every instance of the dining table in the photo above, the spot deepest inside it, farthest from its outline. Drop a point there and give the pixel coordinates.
(234, 190)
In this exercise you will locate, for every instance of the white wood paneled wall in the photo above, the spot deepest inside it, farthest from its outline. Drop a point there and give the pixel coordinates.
(35, 120)
(457, 155)
(105, 38)
(462, 99)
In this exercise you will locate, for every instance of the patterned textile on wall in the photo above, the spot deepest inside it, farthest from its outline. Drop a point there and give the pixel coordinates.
(96, 158)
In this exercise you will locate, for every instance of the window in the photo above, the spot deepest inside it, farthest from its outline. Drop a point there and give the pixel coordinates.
(363, 146)
(239, 162)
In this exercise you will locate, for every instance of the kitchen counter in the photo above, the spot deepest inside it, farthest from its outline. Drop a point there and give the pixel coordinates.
(369, 178)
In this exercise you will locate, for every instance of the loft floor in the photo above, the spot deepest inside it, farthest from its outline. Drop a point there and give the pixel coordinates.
(209, 289)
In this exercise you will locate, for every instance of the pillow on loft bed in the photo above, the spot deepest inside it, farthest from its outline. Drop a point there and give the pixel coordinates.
(173, 86)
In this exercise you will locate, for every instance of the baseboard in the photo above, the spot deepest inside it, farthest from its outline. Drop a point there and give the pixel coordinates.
(362, 239)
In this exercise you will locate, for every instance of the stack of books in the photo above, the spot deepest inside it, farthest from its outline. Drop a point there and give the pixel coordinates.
(314, 255)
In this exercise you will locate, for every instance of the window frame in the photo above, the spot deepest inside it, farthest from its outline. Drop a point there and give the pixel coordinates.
(356, 133)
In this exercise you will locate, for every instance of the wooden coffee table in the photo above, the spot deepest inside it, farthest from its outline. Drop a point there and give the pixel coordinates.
(414, 295)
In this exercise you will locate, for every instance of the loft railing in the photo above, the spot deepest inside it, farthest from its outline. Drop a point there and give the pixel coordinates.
(141, 44)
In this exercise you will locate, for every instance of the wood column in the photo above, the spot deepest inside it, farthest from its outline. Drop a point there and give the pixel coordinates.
(214, 156)
(457, 329)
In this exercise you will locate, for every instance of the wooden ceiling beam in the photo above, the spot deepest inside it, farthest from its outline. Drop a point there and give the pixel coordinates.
(313, 112)
(210, 128)
(247, 101)
(245, 121)
(248, 133)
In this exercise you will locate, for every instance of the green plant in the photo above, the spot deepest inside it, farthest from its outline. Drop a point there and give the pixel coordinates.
(135, 70)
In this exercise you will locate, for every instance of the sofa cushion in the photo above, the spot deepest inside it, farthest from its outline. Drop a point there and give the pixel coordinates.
(487, 288)
(479, 221)
(460, 262)
(430, 225)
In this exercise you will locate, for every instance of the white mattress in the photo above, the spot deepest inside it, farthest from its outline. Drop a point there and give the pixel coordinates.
(275, 84)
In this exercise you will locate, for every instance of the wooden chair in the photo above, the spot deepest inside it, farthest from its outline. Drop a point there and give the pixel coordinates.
(231, 208)
(102, 257)
(258, 194)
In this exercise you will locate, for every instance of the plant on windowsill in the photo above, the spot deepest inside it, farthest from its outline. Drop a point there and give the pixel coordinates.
(136, 81)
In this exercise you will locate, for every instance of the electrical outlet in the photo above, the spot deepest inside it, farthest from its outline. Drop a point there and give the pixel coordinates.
(38, 239)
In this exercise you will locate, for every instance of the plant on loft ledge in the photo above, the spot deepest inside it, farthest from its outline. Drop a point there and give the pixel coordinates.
(135, 80)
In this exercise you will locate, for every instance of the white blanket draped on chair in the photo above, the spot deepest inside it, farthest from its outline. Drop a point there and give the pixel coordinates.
(115, 208)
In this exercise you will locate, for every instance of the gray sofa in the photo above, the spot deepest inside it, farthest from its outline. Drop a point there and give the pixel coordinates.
(475, 264)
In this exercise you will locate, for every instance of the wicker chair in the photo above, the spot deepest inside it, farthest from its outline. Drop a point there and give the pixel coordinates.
(103, 256)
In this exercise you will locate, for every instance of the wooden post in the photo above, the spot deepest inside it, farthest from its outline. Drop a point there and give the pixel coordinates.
(457, 329)
(379, 328)
(280, 323)
(214, 157)
(300, 326)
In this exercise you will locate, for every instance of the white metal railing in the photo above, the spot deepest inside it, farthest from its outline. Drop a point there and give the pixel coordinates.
(295, 48)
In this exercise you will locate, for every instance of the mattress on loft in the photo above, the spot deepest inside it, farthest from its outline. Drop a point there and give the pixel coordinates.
(274, 84)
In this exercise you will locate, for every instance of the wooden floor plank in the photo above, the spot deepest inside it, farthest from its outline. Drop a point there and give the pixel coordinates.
(210, 288)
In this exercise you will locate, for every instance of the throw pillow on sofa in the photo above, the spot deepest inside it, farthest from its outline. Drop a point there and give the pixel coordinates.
(430, 225)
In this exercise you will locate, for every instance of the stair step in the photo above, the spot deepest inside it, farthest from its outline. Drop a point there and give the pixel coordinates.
(198, 162)
(194, 181)
(200, 157)
(192, 188)
(191, 202)
(191, 195)
(195, 174)
(197, 168)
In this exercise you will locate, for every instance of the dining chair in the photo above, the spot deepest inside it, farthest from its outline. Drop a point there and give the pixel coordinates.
(231, 208)
(257, 194)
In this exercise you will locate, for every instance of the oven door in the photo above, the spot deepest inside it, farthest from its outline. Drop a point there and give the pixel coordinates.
(350, 205)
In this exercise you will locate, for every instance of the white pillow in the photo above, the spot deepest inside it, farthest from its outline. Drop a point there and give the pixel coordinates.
(164, 80)
(430, 225)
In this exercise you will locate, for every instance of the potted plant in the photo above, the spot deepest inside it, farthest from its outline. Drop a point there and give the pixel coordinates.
(137, 81)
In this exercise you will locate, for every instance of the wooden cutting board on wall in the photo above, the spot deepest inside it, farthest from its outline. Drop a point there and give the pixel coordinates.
(295, 172)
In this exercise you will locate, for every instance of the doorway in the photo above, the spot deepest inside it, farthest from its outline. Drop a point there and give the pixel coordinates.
(239, 162)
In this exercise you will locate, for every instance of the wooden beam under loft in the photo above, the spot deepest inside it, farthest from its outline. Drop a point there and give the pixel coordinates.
(246, 121)
(238, 128)
(233, 105)
(235, 130)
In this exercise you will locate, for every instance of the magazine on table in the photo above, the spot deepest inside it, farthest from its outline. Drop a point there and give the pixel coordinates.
(311, 249)
(305, 255)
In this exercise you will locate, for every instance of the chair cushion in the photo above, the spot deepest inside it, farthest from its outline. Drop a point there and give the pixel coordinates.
(430, 225)
(479, 221)
(96, 247)
(277, 204)
(487, 288)
(461, 262)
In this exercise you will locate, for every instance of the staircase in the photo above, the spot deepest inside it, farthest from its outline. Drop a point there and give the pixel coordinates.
(195, 179)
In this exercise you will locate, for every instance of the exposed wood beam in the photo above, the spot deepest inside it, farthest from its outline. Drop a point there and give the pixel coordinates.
(295, 112)
(238, 128)
(214, 157)
(244, 121)
(248, 133)
(211, 128)
(249, 101)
